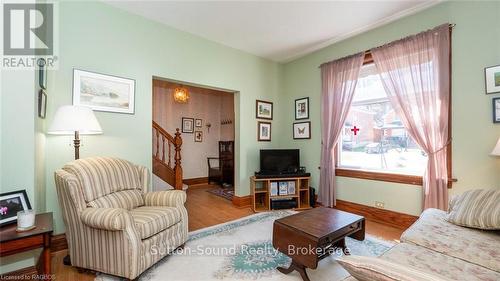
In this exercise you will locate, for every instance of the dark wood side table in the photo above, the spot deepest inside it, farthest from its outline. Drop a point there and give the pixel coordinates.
(310, 236)
(13, 242)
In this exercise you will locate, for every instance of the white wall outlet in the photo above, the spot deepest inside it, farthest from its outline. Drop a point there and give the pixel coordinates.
(380, 205)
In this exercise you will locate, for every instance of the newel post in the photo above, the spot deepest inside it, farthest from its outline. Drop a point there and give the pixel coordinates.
(177, 157)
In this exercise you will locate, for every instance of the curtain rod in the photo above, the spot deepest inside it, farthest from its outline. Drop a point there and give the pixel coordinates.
(450, 26)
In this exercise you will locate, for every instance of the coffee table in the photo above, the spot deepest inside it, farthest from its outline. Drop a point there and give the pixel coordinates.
(309, 236)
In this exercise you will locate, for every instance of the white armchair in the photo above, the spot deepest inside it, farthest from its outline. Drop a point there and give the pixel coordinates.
(112, 224)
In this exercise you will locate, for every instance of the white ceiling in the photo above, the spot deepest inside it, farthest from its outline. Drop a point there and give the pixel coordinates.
(280, 31)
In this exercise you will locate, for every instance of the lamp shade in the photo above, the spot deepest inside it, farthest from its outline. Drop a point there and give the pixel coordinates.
(70, 119)
(496, 150)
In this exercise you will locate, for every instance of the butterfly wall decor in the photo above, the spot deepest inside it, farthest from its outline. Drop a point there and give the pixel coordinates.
(302, 130)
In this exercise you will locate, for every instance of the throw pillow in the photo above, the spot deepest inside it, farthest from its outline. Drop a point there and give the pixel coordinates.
(479, 208)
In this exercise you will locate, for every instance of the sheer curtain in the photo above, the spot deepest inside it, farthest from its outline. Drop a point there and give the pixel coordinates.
(415, 73)
(339, 80)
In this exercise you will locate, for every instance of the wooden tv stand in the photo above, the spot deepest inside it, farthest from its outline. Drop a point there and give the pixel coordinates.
(261, 192)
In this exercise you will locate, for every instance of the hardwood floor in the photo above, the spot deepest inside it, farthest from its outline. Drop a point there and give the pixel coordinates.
(206, 209)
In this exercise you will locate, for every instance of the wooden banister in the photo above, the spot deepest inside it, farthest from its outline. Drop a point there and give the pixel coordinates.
(162, 156)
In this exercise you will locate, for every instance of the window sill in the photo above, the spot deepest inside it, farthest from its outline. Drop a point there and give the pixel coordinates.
(387, 177)
(379, 176)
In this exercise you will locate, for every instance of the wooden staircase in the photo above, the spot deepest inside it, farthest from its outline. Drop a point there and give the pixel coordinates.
(165, 146)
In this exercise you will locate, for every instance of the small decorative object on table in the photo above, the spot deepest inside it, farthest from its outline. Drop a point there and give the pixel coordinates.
(198, 123)
(11, 203)
(302, 108)
(25, 220)
(496, 110)
(492, 79)
(302, 130)
(103, 92)
(187, 125)
(264, 131)
(264, 110)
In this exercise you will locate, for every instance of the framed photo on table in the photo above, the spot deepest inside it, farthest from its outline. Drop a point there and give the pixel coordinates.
(11, 203)
(302, 108)
(492, 79)
(103, 92)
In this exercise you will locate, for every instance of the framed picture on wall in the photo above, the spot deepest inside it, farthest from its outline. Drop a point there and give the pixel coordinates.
(103, 92)
(198, 123)
(264, 131)
(302, 130)
(263, 109)
(492, 79)
(11, 203)
(198, 136)
(187, 125)
(302, 108)
(496, 110)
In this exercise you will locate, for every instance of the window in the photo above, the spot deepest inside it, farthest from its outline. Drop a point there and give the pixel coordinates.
(374, 140)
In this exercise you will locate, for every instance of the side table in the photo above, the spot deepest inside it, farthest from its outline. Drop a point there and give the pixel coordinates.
(13, 242)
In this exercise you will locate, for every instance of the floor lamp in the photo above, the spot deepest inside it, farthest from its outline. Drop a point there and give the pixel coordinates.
(77, 120)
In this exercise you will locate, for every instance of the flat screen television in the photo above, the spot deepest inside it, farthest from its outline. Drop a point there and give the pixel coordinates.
(279, 161)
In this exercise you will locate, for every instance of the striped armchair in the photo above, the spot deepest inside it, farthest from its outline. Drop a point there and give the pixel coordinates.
(112, 224)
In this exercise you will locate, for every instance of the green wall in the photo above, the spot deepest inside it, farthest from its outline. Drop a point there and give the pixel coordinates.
(18, 148)
(476, 45)
(97, 37)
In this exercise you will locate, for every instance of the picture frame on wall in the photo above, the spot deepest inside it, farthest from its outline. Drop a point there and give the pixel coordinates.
(263, 109)
(42, 103)
(302, 108)
(264, 131)
(103, 92)
(496, 110)
(198, 136)
(11, 203)
(42, 73)
(302, 130)
(187, 125)
(492, 79)
(198, 123)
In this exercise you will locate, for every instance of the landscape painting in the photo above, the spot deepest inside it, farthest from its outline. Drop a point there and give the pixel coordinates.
(103, 92)
(492, 79)
(264, 110)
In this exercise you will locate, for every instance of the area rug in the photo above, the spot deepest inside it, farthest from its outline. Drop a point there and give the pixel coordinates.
(226, 193)
(242, 250)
